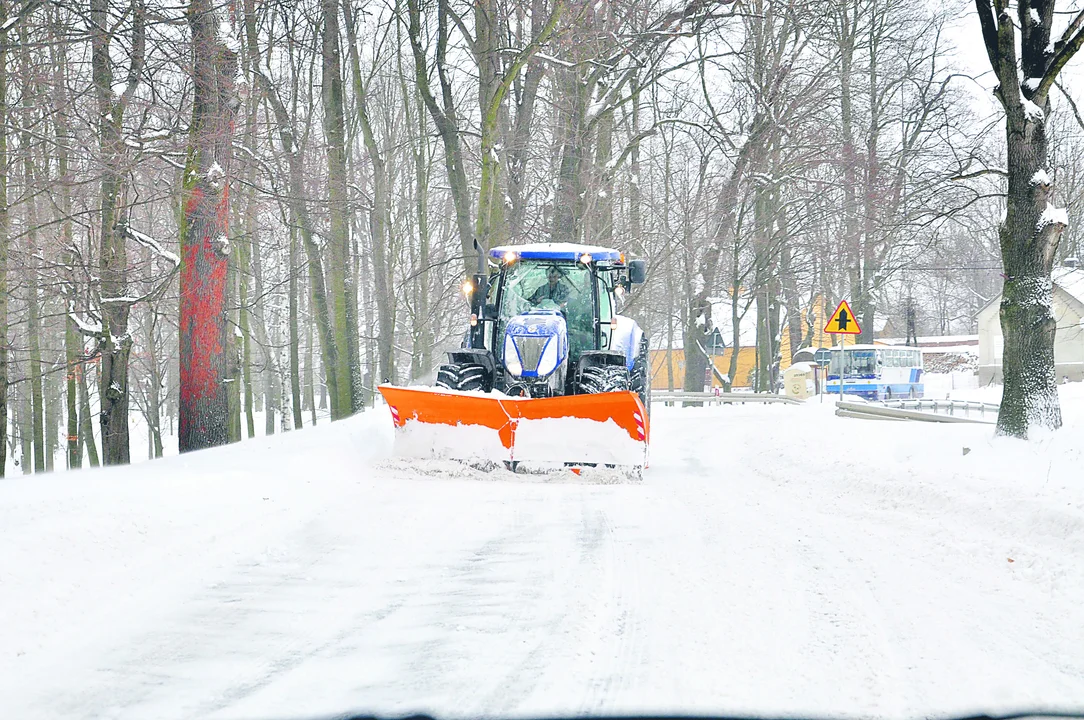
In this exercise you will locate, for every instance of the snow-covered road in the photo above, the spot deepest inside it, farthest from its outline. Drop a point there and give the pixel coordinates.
(774, 560)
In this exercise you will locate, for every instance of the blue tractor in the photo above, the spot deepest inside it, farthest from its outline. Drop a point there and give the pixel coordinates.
(544, 323)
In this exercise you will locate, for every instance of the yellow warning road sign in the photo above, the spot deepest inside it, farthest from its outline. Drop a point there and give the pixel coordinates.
(843, 321)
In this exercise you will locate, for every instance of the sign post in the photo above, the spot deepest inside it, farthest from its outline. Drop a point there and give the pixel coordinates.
(841, 323)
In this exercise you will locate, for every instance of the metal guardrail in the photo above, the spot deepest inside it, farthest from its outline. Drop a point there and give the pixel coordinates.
(708, 398)
(869, 411)
(967, 408)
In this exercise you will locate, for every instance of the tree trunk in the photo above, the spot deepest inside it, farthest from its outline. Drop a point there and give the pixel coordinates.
(791, 297)
(34, 332)
(73, 343)
(603, 216)
(310, 369)
(5, 229)
(237, 343)
(154, 388)
(519, 141)
(446, 120)
(295, 353)
(635, 229)
(421, 361)
(113, 257)
(86, 425)
(379, 220)
(568, 210)
(204, 236)
(1028, 247)
(25, 424)
(33, 301)
(338, 245)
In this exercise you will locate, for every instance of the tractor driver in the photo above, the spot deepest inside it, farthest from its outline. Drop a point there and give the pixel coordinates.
(554, 289)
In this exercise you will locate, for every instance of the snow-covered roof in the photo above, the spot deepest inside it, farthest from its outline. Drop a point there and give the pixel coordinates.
(1071, 280)
(933, 341)
(555, 251)
(1068, 279)
(951, 350)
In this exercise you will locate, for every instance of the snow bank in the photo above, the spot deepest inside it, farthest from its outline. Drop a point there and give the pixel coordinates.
(776, 559)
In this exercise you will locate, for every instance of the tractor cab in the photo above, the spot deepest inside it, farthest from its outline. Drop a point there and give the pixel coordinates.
(548, 324)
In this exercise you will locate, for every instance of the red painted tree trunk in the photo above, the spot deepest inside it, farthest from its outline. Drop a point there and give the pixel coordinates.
(204, 406)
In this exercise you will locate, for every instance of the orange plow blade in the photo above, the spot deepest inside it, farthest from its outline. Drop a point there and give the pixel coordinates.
(608, 428)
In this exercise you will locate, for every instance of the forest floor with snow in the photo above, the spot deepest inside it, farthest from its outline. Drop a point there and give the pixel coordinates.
(775, 559)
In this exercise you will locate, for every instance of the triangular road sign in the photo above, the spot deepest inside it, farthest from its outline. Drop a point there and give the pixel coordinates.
(843, 321)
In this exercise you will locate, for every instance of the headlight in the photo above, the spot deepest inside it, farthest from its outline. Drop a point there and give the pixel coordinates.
(511, 357)
(549, 360)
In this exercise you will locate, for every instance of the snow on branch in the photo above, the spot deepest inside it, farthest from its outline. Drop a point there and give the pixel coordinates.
(1053, 216)
(555, 61)
(1041, 177)
(1032, 111)
(92, 327)
(150, 243)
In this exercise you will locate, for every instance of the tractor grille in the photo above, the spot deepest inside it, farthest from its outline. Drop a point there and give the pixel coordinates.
(530, 350)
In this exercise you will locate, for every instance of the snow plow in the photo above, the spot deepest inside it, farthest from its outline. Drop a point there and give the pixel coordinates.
(548, 372)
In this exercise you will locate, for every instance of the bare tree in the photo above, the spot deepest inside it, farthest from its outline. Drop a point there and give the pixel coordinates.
(1033, 225)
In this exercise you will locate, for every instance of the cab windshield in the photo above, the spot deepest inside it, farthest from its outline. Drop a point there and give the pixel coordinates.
(549, 285)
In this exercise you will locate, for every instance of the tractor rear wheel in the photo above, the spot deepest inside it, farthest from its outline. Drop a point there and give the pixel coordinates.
(603, 378)
(640, 378)
(462, 376)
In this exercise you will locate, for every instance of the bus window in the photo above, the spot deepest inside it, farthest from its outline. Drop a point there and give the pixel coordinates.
(863, 362)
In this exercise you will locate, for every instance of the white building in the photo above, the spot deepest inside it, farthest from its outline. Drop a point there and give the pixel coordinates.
(1068, 341)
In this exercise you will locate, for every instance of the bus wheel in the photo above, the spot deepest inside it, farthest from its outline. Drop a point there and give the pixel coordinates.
(888, 393)
(913, 393)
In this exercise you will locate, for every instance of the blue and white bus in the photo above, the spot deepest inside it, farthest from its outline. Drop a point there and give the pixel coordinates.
(875, 372)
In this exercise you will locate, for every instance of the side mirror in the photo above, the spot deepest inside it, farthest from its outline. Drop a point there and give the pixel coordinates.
(637, 271)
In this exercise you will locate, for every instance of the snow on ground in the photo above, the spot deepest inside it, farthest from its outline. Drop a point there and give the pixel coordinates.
(775, 559)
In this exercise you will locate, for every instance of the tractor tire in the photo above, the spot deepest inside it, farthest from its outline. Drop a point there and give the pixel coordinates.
(462, 376)
(603, 378)
(640, 377)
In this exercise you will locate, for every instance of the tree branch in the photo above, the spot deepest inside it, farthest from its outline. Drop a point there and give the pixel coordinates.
(989, 31)
(1061, 57)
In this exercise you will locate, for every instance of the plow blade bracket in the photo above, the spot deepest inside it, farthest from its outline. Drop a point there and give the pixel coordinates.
(610, 428)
